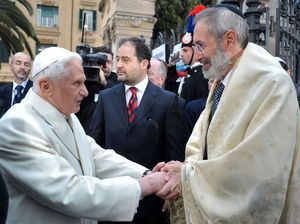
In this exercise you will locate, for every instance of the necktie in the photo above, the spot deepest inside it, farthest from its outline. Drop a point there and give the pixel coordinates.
(132, 104)
(217, 97)
(18, 95)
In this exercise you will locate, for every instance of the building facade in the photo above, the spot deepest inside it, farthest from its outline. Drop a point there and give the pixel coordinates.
(274, 24)
(60, 23)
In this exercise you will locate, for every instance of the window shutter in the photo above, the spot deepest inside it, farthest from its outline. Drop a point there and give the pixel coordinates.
(80, 19)
(94, 20)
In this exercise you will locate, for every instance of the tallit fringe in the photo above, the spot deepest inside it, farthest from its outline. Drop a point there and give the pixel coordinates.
(177, 215)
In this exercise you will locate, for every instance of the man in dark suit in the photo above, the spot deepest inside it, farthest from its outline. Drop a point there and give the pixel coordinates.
(153, 132)
(15, 91)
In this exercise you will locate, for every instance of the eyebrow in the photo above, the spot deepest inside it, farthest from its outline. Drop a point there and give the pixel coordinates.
(199, 42)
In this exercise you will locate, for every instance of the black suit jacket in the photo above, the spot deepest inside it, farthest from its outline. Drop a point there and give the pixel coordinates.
(192, 111)
(195, 85)
(88, 104)
(6, 96)
(158, 133)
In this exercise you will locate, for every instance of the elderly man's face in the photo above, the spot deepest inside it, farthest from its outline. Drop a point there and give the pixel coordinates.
(215, 61)
(69, 91)
(20, 67)
(154, 73)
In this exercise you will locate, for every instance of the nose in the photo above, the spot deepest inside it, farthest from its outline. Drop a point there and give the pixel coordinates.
(119, 64)
(84, 92)
(22, 65)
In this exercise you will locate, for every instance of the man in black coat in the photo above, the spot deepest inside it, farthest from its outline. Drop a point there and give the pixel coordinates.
(194, 85)
(145, 125)
(9, 94)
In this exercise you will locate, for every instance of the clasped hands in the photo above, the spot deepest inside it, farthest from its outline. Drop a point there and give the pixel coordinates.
(164, 181)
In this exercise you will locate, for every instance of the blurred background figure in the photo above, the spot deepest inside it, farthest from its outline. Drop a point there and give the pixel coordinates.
(284, 65)
(107, 79)
(157, 73)
(192, 84)
(170, 83)
(15, 91)
(194, 108)
(110, 78)
(288, 70)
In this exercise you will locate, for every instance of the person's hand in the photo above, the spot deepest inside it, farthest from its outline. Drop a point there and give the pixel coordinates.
(174, 57)
(172, 189)
(158, 167)
(152, 183)
(102, 77)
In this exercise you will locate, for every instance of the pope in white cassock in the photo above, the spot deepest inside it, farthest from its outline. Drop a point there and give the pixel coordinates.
(55, 173)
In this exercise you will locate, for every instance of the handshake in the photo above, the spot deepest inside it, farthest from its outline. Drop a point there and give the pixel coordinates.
(164, 181)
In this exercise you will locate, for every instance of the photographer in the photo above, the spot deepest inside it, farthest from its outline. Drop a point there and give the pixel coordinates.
(97, 68)
(108, 78)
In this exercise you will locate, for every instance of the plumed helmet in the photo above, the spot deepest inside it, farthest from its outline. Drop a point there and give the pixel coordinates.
(187, 37)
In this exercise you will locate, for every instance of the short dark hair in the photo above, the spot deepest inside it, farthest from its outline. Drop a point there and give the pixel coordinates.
(142, 51)
(103, 49)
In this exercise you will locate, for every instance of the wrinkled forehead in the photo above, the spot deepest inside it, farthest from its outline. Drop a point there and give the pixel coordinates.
(21, 57)
(201, 32)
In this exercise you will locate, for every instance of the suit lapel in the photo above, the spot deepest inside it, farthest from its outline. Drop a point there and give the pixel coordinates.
(119, 101)
(54, 118)
(70, 134)
(9, 92)
(64, 132)
(27, 87)
(146, 104)
(82, 143)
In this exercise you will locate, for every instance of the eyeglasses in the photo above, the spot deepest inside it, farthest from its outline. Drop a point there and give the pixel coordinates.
(201, 46)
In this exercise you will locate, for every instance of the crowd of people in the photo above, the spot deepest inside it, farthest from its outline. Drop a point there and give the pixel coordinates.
(220, 146)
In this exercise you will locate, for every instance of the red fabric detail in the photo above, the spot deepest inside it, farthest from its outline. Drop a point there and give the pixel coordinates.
(196, 10)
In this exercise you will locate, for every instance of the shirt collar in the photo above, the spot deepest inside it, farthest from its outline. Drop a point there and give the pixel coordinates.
(196, 64)
(227, 78)
(22, 84)
(140, 86)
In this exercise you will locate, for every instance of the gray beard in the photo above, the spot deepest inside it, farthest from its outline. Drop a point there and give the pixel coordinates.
(219, 63)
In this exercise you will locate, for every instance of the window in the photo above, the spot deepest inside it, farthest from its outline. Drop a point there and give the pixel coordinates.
(40, 47)
(90, 19)
(47, 16)
(4, 56)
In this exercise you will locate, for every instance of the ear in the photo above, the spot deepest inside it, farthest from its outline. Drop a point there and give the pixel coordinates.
(145, 64)
(230, 39)
(46, 87)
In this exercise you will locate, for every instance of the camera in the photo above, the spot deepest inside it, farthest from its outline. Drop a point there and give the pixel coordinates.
(91, 62)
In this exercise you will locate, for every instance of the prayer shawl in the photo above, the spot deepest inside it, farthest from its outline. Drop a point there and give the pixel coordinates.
(252, 172)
